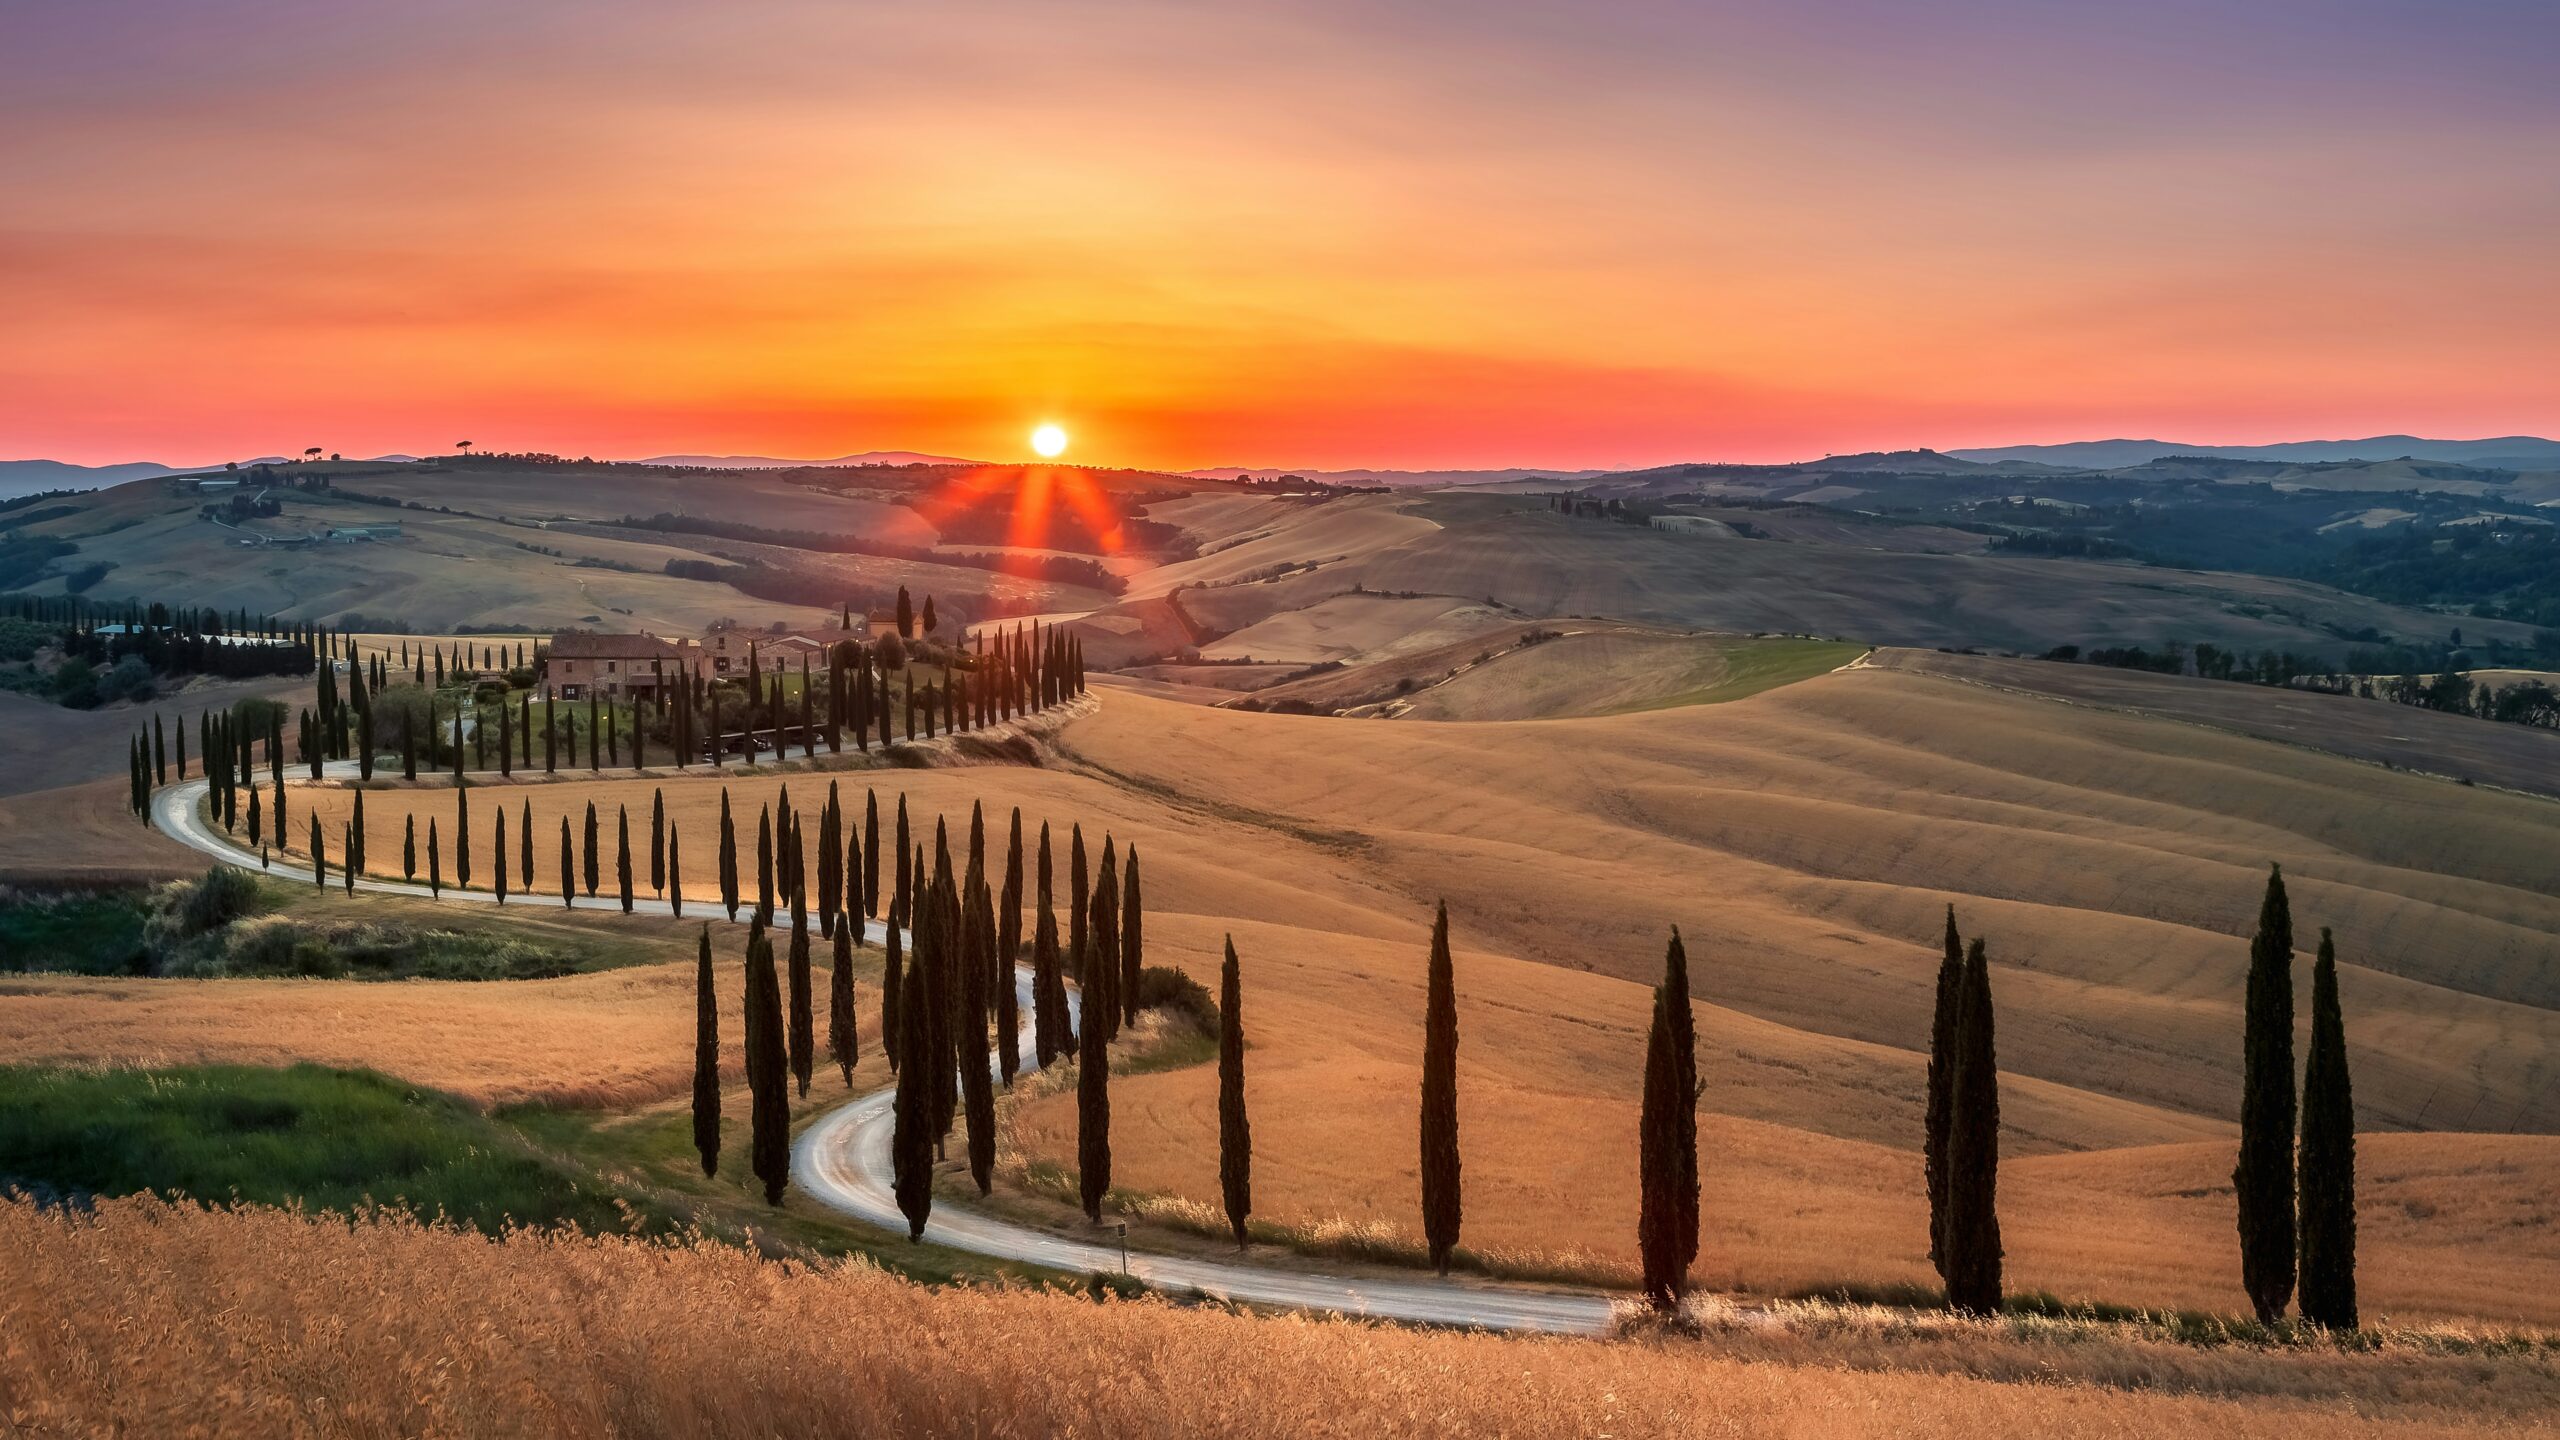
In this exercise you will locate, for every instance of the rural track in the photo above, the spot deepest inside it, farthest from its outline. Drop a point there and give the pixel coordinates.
(842, 1161)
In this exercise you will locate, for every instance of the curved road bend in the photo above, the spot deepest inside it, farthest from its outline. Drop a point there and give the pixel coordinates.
(842, 1161)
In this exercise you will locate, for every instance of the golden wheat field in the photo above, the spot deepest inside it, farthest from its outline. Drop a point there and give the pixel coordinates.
(246, 1323)
(1807, 841)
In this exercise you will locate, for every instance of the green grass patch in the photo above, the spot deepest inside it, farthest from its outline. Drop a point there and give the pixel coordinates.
(74, 932)
(326, 1139)
(1752, 666)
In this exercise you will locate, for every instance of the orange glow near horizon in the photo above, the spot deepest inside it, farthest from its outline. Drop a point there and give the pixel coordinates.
(1260, 235)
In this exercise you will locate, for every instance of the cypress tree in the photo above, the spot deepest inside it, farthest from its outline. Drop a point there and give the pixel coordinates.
(1093, 1116)
(852, 918)
(1131, 942)
(911, 1143)
(524, 844)
(1102, 962)
(978, 1091)
(2263, 1178)
(892, 1028)
(830, 862)
(941, 906)
(1972, 1244)
(768, 1079)
(622, 854)
(706, 1060)
(804, 1047)
(675, 873)
(1235, 1130)
(593, 874)
(1440, 1178)
(1048, 993)
(160, 747)
(462, 837)
(319, 856)
(1667, 1221)
(506, 741)
(409, 848)
(1942, 1072)
(658, 840)
(764, 865)
(435, 863)
(2328, 1170)
(568, 866)
(870, 852)
(728, 857)
(901, 899)
(498, 853)
(842, 1041)
(1079, 889)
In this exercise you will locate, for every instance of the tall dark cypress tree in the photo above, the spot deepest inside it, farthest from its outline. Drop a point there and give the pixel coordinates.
(524, 845)
(462, 837)
(804, 1042)
(498, 853)
(1093, 1115)
(1440, 1178)
(409, 848)
(768, 1077)
(435, 863)
(1942, 1074)
(1102, 961)
(870, 852)
(1079, 892)
(764, 865)
(675, 872)
(830, 862)
(706, 1060)
(1132, 938)
(911, 1143)
(853, 910)
(728, 857)
(2328, 1173)
(593, 872)
(843, 1044)
(658, 840)
(1235, 1128)
(901, 900)
(893, 1030)
(977, 931)
(622, 853)
(1973, 1251)
(568, 866)
(1048, 992)
(1667, 1220)
(2263, 1178)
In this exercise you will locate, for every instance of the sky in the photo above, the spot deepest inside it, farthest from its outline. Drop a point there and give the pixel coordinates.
(1411, 233)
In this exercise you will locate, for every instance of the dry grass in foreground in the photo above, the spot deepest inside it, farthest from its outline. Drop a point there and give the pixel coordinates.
(148, 1318)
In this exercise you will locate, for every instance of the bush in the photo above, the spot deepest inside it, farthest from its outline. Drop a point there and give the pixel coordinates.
(183, 910)
(131, 679)
(1161, 987)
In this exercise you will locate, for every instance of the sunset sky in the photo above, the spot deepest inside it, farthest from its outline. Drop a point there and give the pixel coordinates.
(1431, 233)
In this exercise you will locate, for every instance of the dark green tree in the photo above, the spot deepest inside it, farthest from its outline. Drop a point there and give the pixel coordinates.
(1093, 1115)
(706, 1060)
(870, 853)
(1132, 939)
(461, 836)
(675, 873)
(977, 946)
(498, 853)
(768, 1078)
(1972, 1242)
(568, 866)
(1440, 1177)
(843, 1043)
(1942, 1074)
(728, 857)
(764, 865)
(912, 1141)
(2328, 1171)
(1667, 1219)
(804, 1044)
(594, 872)
(435, 863)
(2263, 1178)
(1049, 1029)
(409, 848)
(1102, 962)
(622, 853)
(1235, 1129)
(658, 840)
(893, 1032)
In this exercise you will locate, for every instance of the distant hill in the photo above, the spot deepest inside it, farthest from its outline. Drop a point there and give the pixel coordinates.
(1417, 478)
(768, 462)
(34, 477)
(2509, 452)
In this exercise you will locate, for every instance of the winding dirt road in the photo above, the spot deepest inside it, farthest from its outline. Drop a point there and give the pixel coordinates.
(842, 1161)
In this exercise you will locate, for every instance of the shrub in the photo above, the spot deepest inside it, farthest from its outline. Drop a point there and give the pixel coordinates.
(1161, 987)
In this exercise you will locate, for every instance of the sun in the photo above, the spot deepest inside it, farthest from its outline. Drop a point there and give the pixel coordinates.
(1050, 441)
